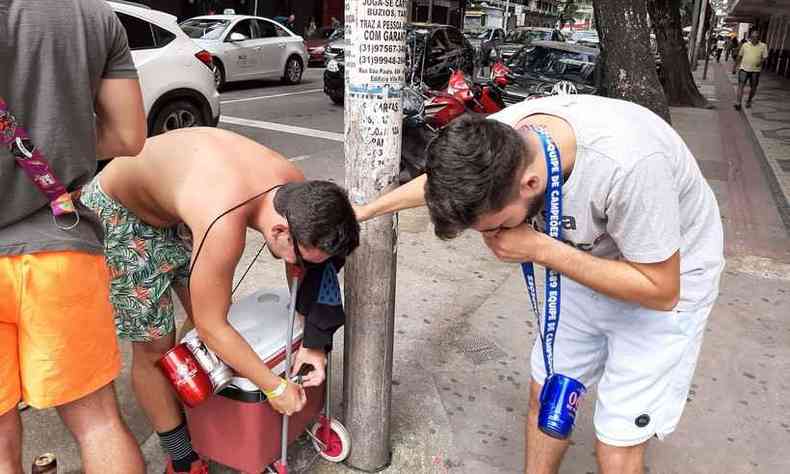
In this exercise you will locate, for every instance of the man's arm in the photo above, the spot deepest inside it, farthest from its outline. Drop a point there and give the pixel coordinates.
(210, 293)
(652, 285)
(738, 56)
(408, 196)
(643, 219)
(183, 295)
(120, 118)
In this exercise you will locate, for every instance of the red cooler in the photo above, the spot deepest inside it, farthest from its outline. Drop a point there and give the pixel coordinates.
(237, 427)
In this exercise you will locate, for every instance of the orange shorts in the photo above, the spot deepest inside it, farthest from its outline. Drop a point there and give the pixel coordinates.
(57, 336)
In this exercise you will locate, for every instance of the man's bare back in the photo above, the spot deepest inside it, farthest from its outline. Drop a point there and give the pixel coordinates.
(196, 176)
(192, 175)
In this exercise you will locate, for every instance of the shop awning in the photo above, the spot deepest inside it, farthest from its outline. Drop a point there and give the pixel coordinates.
(746, 11)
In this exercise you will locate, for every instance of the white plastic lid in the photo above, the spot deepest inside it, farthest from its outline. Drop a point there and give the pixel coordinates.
(262, 320)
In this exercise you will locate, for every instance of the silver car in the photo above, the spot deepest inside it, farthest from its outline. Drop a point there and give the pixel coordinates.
(337, 44)
(248, 47)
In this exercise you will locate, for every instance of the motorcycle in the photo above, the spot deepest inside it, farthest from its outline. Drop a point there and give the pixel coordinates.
(427, 111)
(462, 96)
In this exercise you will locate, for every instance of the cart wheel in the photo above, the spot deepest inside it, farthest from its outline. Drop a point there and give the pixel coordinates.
(337, 446)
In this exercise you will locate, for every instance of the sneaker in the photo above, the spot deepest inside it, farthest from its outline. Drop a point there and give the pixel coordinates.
(737, 106)
(198, 467)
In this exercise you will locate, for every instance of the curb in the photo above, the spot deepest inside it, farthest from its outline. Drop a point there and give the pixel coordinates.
(768, 164)
(778, 192)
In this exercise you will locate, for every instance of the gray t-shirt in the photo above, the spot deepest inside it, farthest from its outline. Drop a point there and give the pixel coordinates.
(53, 56)
(635, 191)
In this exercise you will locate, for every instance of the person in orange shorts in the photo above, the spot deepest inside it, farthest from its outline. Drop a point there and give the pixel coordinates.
(69, 82)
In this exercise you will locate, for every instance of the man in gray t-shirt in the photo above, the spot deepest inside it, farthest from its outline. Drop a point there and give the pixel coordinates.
(640, 257)
(67, 76)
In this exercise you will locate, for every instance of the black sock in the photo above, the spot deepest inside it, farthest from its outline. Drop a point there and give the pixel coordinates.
(177, 445)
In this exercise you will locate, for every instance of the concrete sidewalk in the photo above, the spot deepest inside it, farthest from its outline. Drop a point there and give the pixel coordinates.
(769, 118)
(464, 331)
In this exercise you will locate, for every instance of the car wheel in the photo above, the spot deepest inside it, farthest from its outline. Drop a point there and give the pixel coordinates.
(293, 70)
(219, 74)
(175, 115)
(337, 99)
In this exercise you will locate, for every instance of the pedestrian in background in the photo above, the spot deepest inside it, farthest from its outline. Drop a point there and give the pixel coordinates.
(749, 63)
(287, 21)
(311, 29)
(69, 81)
(720, 44)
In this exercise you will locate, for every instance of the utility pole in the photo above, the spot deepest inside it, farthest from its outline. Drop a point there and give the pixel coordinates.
(375, 75)
(430, 11)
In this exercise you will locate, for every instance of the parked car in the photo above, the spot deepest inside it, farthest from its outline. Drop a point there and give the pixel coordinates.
(487, 43)
(335, 46)
(335, 78)
(249, 47)
(537, 68)
(316, 46)
(439, 48)
(175, 73)
(524, 36)
(585, 38)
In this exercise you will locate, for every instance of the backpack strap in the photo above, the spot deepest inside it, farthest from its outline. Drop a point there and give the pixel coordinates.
(36, 167)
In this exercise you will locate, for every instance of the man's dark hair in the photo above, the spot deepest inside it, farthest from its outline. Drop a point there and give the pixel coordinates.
(319, 215)
(473, 167)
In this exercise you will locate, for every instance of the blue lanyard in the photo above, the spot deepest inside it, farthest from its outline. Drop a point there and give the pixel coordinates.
(553, 215)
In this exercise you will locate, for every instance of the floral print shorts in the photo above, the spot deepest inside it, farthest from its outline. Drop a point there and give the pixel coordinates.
(144, 261)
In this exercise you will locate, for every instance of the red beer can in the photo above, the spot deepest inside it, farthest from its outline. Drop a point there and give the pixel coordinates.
(191, 382)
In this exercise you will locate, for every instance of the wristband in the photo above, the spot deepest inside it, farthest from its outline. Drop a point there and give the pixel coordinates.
(279, 390)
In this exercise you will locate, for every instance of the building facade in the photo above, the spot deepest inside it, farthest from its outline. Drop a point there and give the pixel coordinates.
(584, 19)
(772, 20)
(523, 12)
(320, 11)
(305, 11)
(447, 12)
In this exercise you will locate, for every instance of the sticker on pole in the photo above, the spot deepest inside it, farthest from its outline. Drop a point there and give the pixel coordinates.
(377, 44)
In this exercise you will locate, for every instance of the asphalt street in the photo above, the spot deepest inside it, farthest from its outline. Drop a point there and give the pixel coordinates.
(299, 121)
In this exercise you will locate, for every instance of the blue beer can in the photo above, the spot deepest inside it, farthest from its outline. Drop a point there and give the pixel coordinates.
(559, 400)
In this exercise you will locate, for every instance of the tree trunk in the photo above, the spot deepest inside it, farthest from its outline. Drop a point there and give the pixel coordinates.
(629, 71)
(679, 85)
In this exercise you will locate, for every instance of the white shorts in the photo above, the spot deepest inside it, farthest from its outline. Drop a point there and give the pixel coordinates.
(643, 361)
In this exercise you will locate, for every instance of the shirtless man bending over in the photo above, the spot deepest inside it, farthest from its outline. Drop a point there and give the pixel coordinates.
(192, 177)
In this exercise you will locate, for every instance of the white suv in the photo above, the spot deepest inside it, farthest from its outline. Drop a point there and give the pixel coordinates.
(176, 75)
